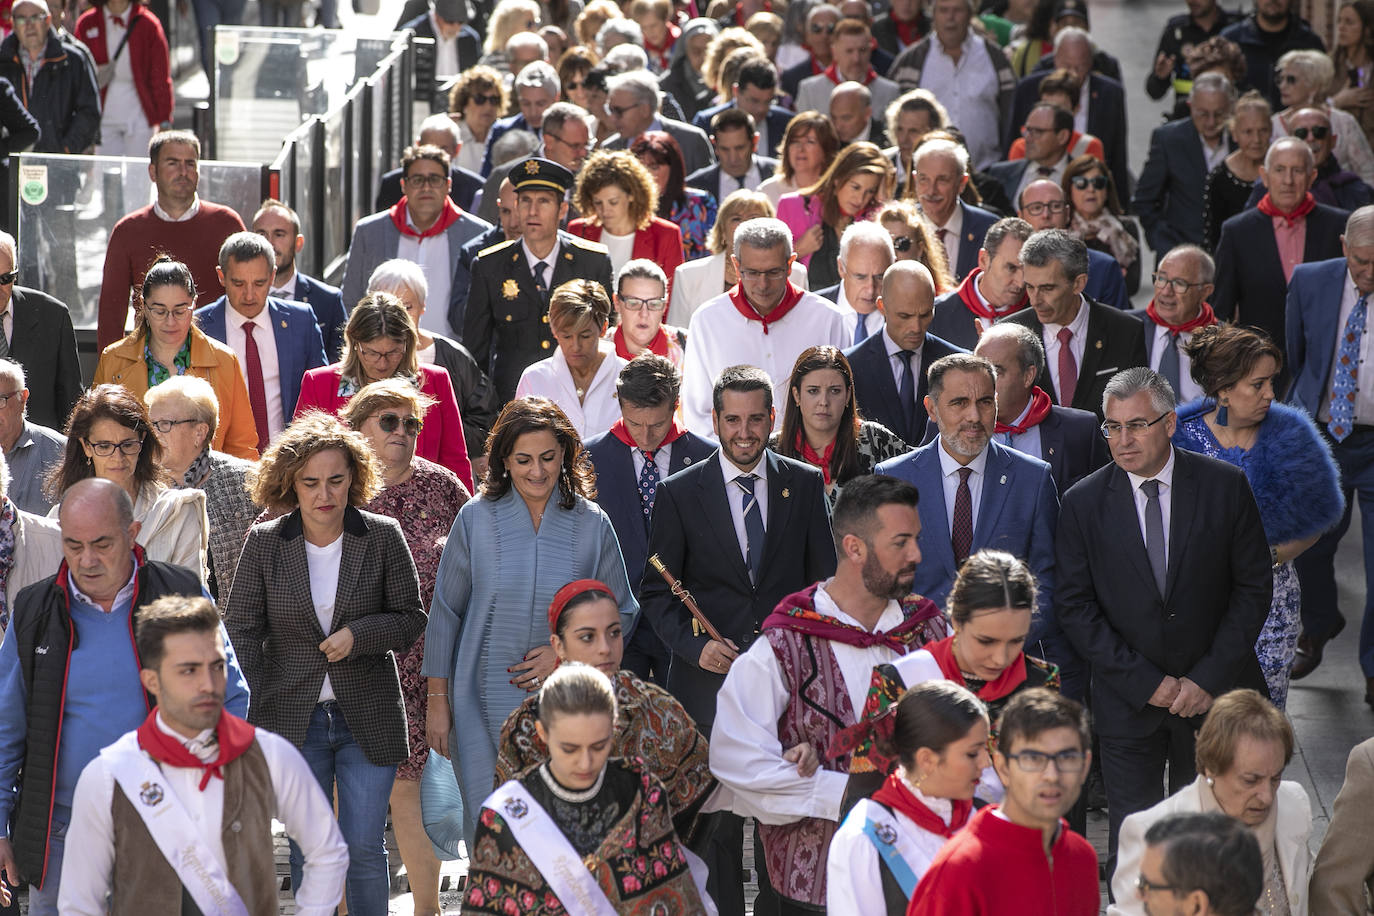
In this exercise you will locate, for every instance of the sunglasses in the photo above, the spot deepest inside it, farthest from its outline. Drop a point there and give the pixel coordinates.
(1302, 133)
(390, 421)
(818, 29)
(902, 243)
(1083, 182)
(7, 279)
(486, 99)
(573, 87)
(1286, 79)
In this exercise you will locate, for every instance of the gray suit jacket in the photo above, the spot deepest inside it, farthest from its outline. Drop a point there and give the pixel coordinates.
(376, 239)
(697, 152)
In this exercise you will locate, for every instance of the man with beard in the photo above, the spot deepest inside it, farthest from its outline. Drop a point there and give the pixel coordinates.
(977, 494)
(817, 651)
(775, 508)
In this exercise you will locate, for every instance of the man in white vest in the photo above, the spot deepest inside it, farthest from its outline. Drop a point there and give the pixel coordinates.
(191, 794)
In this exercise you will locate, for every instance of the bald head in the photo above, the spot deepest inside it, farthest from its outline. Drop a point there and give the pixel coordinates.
(98, 532)
(908, 303)
(97, 496)
(1042, 205)
(851, 110)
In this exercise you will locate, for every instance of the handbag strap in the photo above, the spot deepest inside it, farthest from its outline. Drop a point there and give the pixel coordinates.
(125, 40)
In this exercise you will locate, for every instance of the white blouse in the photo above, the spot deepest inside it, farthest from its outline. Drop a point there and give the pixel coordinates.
(596, 410)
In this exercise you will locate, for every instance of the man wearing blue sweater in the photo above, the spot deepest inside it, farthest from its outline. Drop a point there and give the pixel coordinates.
(69, 678)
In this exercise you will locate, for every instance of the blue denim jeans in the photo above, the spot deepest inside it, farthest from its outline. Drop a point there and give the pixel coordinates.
(44, 902)
(364, 791)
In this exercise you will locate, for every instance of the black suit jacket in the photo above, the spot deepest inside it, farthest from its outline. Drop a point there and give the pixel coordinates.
(876, 389)
(1168, 196)
(953, 321)
(1116, 341)
(44, 343)
(462, 192)
(1106, 119)
(1251, 289)
(977, 222)
(708, 179)
(694, 535)
(1217, 593)
(330, 312)
(1072, 443)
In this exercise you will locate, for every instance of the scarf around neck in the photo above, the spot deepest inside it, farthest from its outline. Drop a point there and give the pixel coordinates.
(447, 217)
(657, 346)
(809, 455)
(798, 613)
(790, 298)
(1269, 208)
(235, 737)
(975, 304)
(621, 432)
(1005, 684)
(1202, 319)
(897, 795)
(1039, 410)
(832, 73)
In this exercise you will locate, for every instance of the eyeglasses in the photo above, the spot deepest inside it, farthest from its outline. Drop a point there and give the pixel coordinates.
(1146, 886)
(485, 99)
(549, 133)
(1112, 430)
(1286, 79)
(28, 20)
(817, 29)
(1067, 762)
(166, 426)
(1040, 207)
(372, 355)
(5, 398)
(572, 87)
(637, 305)
(1179, 284)
(1317, 132)
(902, 243)
(1083, 182)
(777, 273)
(7, 279)
(161, 313)
(1029, 131)
(616, 111)
(390, 421)
(426, 181)
(106, 449)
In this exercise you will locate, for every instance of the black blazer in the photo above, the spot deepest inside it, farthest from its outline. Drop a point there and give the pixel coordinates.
(1116, 341)
(1168, 196)
(977, 222)
(1217, 594)
(272, 624)
(876, 389)
(1072, 443)
(953, 322)
(1251, 289)
(330, 313)
(694, 535)
(462, 191)
(44, 343)
(708, 179)
(1008, 174)
(1106, 119)
(617, 489)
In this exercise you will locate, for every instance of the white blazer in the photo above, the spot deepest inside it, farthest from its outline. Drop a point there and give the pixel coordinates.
(699, 281)
(1291, 831)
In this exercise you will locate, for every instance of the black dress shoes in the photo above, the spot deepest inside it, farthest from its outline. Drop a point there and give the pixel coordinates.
(1309, 654)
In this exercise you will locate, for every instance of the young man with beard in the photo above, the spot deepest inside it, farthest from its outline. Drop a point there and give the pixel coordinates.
(808, 678)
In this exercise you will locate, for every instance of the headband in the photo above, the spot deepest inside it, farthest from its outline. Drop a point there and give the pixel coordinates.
(570, 591)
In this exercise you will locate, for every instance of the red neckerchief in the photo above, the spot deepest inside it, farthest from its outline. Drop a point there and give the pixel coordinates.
(447, 218)
(832, 72)
(798, 612)
(1205, 318)
(821, 461)
(908, 33)
(658, 345)
(620, 432)
(975, 303)
(1006, 682)
(816, 68)
(895, 794)
(1267, 207)
(1039, 410)
(789, 302)
(234, 734)
(661, 51)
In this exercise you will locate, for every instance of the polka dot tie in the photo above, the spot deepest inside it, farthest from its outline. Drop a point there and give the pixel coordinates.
(648, 484)
(1345, 381)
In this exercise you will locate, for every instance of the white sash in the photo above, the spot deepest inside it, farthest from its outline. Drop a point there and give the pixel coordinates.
(171, 828)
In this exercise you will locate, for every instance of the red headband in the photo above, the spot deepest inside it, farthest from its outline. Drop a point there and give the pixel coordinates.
(569, 592)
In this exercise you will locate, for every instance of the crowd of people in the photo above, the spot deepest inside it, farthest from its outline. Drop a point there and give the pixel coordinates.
(764, 365)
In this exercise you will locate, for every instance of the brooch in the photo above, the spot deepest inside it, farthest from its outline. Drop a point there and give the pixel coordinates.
(516, 808)
(785, 494)
(510, 289)
(886, 834)
(150, 794)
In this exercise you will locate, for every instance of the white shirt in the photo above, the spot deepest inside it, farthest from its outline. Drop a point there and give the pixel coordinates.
(432, 255)
(748, 181)
(954, 228)
(1213, 156)
(873, 321)
(301, 807)
(720, 337)
(1027, 443)
(968, 88)
(663, 459)
(1364, 395)
(1077, 343)
(1032, 173)
(121, 94)
(287, 290)
(550, 259)
(735, 497)
(773, 188)
(1080, 116)
(1187, 388)
(746, 755)
(190, 213)
(983, 323)
(598, 408)
(445, 51)
(1166, 490)
(620, 248)
(949, 478)
(470, 156)
(267, 355)
(897, 361)
(853, 874)
(324, 585)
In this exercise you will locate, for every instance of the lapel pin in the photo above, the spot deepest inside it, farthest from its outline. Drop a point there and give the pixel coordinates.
(1051, 451)
(283, 322)
(567, 255)
(686, 460)
(1003, 480)
(785, 493)
(1098, 345)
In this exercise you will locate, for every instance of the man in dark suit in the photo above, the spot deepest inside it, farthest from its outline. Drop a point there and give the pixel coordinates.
(1017, 506)
(940, 169)
(643, 448)
(36, 331)
(280, 225)
(634, 100)
(738, 165)
(753, 92)
(445, 23)
(1044, 205)
(505, 324)
(436, 130)
(564, 139)
(1164, 583)
(1183, 282)
(993, 290)
(888, 367)
(536, 88)
(1086, 343)
(1252, 267)
(1168, 197)
(1322, 300)
(1272, 30)
(1048, 129)
(866, 253)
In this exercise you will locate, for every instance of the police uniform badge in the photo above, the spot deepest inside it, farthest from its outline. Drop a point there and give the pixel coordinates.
(510, 289)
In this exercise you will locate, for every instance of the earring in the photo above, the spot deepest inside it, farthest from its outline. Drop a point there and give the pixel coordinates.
(1210, 781)
(1221, 417)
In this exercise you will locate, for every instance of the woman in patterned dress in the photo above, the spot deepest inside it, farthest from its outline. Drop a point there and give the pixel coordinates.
(424, 498)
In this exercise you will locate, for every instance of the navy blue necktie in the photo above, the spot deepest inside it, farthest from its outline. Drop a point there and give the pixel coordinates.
(906, 393)
(753, 525)
(860, 328)
(648, 484)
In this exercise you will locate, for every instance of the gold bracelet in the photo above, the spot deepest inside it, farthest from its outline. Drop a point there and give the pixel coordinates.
(444, 695)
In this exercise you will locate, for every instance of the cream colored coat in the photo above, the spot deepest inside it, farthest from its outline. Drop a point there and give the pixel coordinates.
(1343, 878)
(174, 527)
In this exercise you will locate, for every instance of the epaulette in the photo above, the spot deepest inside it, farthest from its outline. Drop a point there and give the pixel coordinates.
(580, 242)
(497, 247)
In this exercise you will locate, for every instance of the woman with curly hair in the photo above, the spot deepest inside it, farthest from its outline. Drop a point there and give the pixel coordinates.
(475, 102)
(691, 210)
(913, 240)
(859, 178)
(618, 198)
(534, 528)
(808, 147)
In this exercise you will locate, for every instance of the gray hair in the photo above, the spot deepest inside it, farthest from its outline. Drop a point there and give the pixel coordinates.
(247, 246)
(440, 122)
(7, 243)
(641, 83)
(1204, 260)
(866, 232)
(527, 40)
(538, 74)
(1128, 383)
(1286, 143)
(390, 276)
(192, 389)
(625, 58)
(915, 100)
(641, 269)
(1216, 81)
(1071, 33)
(824, 8)
(512, 145)
(1311, 67)
(1000, 231)
(940, 145)
(626, 29)
(560, 113)
(1056, 245)
(13, 372)
(763, 232)
(1359, 230)
(1030, 351)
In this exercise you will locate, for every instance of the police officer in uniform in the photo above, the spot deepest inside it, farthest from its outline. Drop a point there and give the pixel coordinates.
(506, 325)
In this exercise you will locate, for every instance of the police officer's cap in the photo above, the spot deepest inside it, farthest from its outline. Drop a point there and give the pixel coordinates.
(535, 173)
